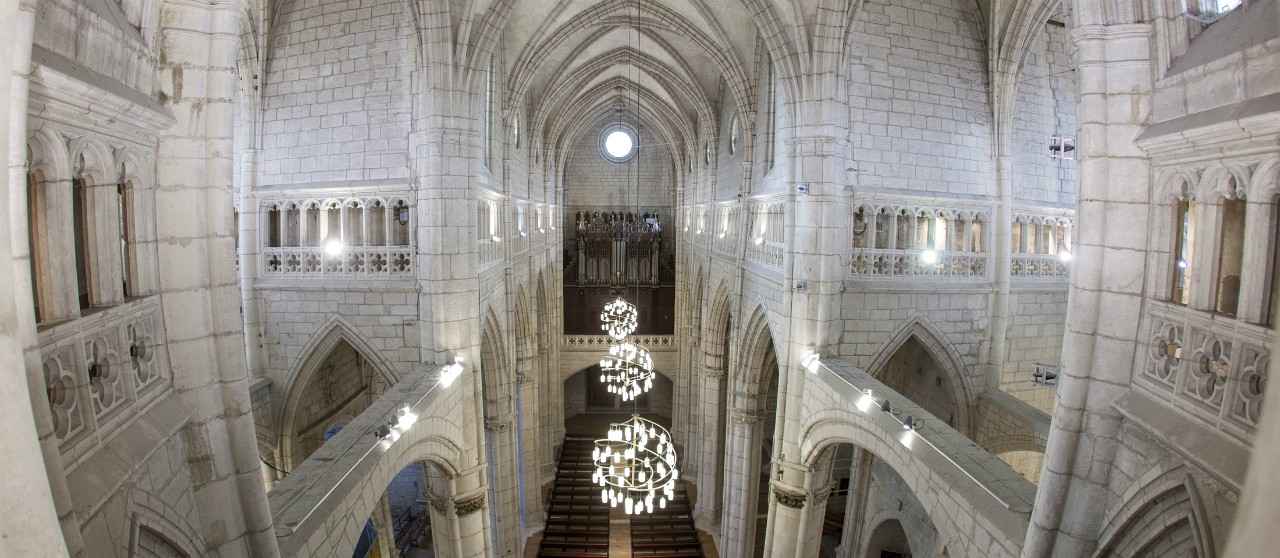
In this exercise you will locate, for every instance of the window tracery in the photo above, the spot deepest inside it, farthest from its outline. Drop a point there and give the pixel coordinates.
(370, 237)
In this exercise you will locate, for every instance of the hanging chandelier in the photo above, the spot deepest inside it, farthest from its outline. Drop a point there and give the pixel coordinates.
(619, 319)
(627, 370)
(636, 466)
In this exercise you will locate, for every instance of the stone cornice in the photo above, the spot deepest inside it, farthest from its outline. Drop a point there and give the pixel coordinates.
(1240, 129)
(62, 92)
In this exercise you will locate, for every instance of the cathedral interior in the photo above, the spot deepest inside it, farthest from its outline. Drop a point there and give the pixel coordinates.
(639, 278)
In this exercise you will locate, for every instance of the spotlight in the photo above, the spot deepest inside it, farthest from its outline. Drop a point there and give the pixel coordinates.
(864, 403)
(1064, 256)
(1183, 264)
(450, 372)
(910, 423)
(333, 247)
(811, 361)
(406, 418)
(907, 438)
(929, 257)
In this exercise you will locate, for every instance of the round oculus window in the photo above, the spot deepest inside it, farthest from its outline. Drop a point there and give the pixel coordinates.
(617, 144)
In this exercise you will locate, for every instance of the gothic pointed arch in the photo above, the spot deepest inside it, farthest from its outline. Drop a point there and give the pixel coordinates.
(1162, 509)
(751, 380)
(314, 354)
(944, 353)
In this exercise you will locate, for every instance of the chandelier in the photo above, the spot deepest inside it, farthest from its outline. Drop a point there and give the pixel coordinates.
(619, 319)
(627, 370)
(636, 465)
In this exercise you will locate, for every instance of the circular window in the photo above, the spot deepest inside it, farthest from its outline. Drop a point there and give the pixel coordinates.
(618, 143)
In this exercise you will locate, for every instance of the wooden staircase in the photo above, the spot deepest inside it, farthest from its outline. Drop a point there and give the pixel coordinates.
(666, 533)
(577, 522)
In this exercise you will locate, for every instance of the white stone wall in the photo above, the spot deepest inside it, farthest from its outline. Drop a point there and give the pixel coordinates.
(385, 318)
(871, 319)
(591, 180)
(1035, 336)
(1045, 106)
(919, 113)
(336, 95)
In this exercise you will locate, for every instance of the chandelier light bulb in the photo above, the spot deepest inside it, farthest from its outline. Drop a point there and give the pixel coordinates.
(636, 466)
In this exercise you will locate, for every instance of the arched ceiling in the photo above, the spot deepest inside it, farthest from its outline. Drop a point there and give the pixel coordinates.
(569, 63)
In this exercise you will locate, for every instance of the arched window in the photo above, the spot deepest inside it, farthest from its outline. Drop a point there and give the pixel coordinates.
(353, 227)
(128, 262)
(36, 242)
(1184, 232)
(273, 226)
(859, 227)
(292, 224)
(376, 216)
(1016, 243)
(82, 223)
(1230, 257)
(332, 221)
(882, 228)
(311, 224)
(904, 230)
(978, 241)
(1272, 303)
(400, 233)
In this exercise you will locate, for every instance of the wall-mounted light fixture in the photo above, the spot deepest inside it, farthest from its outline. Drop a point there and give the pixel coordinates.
(450, 372)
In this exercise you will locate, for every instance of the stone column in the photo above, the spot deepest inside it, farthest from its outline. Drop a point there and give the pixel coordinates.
(531, 510)
(31, 521)
(1114, 68)
(384, 525)
(1003, 256)
(23, 294)
(710, 449)
(472, 542)
(741, 471)
(198, 288)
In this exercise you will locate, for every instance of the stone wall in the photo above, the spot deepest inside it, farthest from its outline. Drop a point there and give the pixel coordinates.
(336, 100)
(920, 118)
(591, 180)
(1045, 107)
(1035, 336)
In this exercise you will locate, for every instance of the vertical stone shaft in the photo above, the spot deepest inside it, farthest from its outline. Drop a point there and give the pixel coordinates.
(23, 293)
(197, 284)
(31, 525)
(1105, 306)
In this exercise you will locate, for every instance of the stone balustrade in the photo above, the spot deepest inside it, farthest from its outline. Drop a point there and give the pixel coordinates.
(356, 262)
(101, 370)
(882, 263)
(1208, 365)
(1040, 267)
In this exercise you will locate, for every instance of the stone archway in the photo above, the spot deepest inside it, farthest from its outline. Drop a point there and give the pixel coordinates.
(919, 355)
(749, 448)
(309, 402)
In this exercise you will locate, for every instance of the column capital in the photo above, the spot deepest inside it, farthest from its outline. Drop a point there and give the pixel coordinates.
(469, 505)
(789, 497)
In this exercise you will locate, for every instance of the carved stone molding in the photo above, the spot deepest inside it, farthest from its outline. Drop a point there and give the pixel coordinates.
(469, 505)
(439, 504)
(497, 425)
(788, 498)
(713, 374)
(522, 378)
